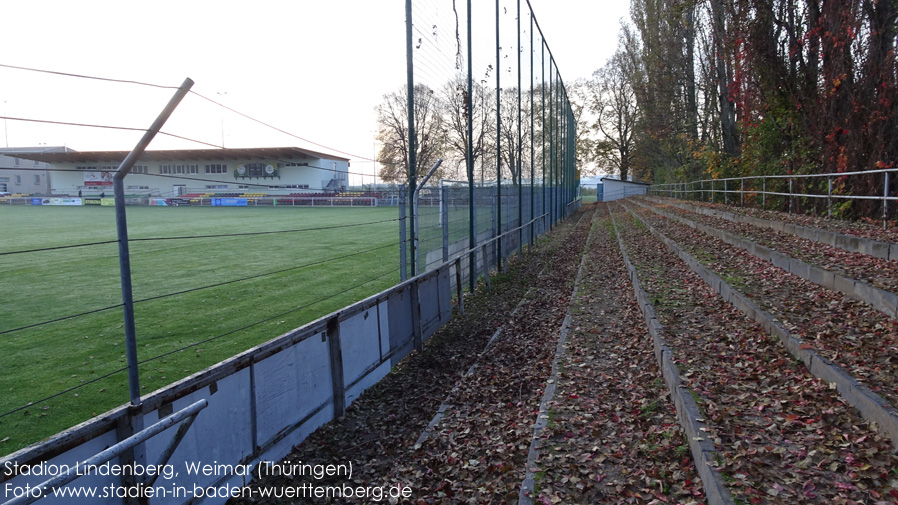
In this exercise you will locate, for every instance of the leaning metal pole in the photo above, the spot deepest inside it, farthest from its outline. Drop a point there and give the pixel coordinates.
(414, 212)
(118, 187)
(69, 473)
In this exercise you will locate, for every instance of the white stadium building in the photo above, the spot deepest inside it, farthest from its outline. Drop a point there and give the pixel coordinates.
(175, 173)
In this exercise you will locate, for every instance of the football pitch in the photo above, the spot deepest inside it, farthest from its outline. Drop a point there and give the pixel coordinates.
(208, 282)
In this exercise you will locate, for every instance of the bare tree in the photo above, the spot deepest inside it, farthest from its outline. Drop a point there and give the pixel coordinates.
(430, 133)
(455, 94)
(612, 102)
(585, 140)
(513, 152)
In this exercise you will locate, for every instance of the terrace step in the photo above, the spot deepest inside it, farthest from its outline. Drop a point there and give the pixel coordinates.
(878, 298)
(772, 423)
(850, 243)
(872, 407)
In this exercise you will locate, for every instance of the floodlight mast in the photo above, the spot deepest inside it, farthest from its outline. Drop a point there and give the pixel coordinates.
(415, 213)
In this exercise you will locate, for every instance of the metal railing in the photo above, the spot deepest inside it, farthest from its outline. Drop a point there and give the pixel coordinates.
(183, 418)
(788, 188)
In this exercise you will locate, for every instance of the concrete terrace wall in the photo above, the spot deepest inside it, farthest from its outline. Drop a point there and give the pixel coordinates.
(614, 189)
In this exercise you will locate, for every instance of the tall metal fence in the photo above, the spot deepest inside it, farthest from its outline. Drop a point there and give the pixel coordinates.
(828, 192)
(444, 227)
(505, 127)
(485, 96)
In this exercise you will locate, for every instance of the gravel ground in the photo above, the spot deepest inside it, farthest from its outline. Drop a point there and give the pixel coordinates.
(785, 437)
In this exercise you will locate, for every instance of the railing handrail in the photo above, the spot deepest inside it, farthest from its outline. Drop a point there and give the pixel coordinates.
(698, 187)
(785, 176)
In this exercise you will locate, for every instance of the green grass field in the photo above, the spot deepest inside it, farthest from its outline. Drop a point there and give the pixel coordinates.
(236, 314)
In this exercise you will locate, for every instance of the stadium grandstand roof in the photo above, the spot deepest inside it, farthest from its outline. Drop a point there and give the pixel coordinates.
(615, 179)
(6, 151)
(280, 153)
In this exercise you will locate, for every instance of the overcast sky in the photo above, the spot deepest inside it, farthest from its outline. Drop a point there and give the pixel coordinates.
(315, 69)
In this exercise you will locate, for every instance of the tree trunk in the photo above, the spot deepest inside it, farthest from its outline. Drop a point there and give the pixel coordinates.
(689, 64)
(727, 109)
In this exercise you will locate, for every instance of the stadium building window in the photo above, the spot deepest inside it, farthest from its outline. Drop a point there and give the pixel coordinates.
(37, 179)
(16, 161)
(185, 169)
(37, 163)
(140, 169)
(216, 168)
(85, 168)
(165, 169)
(217, 186)
(18, 180)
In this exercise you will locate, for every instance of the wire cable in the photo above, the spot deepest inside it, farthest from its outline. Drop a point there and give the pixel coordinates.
(257, 276)
(66, 123)
(69, 390)
(125, 81)
(154, 358)
(59, 247)
(14, 67)
(249, 234)
(276, 316)
(56, 320)
(221, 235)
(86, 125)
(278, 129)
